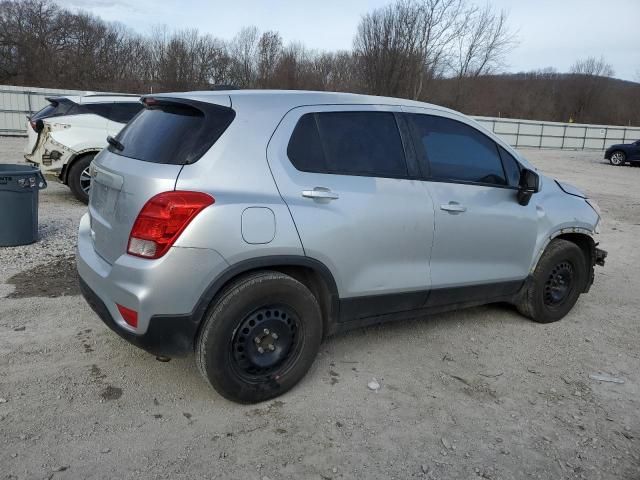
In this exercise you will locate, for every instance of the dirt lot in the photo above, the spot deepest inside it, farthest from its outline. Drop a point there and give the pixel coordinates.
(481, 393)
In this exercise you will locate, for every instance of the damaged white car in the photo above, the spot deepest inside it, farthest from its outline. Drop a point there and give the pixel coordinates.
(64, 136)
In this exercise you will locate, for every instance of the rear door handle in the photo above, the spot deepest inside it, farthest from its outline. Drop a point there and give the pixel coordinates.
(453, 207)
(320, 193)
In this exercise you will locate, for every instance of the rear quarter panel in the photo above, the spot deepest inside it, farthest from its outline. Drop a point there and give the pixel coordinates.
(236, 173)
(80, 132)
(70, 136)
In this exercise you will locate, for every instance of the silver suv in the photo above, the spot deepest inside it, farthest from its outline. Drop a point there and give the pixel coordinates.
(246, 226)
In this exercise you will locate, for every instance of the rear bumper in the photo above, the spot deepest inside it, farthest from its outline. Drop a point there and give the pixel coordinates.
(171, 336)
(607, 155)
(165, 293)
(51, 156)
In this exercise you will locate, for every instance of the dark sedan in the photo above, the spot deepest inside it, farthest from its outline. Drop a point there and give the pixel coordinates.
(620, 154)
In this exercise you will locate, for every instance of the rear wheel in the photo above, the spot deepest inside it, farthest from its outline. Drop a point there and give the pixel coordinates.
(618, 158)
(79, 178)
(556, 284)
(260, 337)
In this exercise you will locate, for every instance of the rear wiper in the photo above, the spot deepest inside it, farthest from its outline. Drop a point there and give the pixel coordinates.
(115, 143)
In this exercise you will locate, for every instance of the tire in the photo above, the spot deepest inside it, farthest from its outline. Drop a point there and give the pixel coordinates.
(618, 158)
(77, 178)
(257, 312)
(557, 282)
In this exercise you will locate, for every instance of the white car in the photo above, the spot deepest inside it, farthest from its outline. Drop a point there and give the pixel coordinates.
(64, 136)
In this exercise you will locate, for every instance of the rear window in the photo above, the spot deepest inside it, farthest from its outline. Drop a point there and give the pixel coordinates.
(56, 108)
(348, 143)
(173, 132)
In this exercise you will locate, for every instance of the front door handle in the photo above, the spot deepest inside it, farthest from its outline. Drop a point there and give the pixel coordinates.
(453, 207)
(320, 193)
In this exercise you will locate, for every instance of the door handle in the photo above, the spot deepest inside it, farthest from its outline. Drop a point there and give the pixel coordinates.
(453, 207)
(320, 193)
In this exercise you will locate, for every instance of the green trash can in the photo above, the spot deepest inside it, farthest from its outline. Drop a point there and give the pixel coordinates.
(19, 189)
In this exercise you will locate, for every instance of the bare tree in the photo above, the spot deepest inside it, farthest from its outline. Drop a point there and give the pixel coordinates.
(589, 78)
(483, 43)
(592, 67)
(480, 48)
(269, 50)
(244, 52)
(399, 45)
(406, 43)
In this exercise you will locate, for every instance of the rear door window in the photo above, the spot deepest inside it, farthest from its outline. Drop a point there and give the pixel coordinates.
(348, 143)
(173, 132)
(457, 152)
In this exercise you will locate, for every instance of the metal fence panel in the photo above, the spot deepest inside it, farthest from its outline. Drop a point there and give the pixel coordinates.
(570, 136)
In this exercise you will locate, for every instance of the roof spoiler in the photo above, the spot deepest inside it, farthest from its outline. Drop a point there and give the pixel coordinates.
(97, 94)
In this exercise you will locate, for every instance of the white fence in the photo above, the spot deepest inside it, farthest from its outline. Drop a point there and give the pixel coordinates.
(556, 135)
(18, 102)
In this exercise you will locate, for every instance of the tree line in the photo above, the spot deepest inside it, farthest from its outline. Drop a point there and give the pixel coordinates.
(448, 52)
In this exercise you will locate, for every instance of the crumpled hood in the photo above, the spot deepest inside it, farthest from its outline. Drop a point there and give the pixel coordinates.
(570, 189)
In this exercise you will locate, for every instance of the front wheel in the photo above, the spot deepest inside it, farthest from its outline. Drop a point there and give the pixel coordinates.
(557, 282)
(260, 337)
(79, 179)
(618, 158)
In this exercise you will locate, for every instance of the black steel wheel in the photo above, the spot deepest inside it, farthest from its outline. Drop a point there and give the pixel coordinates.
(260, 337)
(267, 341)
(557, 281)
(559, 284)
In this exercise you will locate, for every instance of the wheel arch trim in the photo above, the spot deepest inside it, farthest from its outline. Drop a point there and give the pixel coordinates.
(273, 262)
(64, 173)
(567, 232)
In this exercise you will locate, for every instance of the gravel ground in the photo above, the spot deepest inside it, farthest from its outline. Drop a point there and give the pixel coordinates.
(480, 393)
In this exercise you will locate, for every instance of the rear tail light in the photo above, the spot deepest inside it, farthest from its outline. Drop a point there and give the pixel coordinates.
(162, 220)
(37, 125)
(129, 316)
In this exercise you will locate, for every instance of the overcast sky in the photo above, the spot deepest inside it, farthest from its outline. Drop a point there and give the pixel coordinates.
(552, 33)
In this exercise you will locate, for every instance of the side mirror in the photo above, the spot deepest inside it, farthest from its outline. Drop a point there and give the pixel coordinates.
(528, 185)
